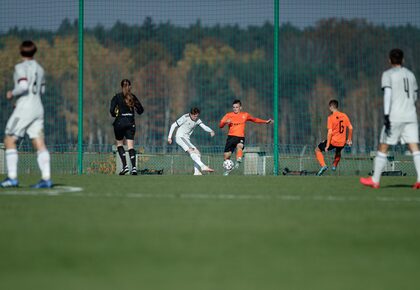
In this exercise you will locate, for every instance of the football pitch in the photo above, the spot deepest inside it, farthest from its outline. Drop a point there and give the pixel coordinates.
(100, 232)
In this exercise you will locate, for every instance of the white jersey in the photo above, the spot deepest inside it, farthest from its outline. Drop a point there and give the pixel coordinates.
(403, 85)
(29, 99)
(186, 126)
(28, 115)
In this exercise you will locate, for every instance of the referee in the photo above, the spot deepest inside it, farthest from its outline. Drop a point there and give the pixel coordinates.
(123, 106)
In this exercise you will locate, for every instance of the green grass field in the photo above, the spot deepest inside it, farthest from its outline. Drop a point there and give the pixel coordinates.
(100, 232)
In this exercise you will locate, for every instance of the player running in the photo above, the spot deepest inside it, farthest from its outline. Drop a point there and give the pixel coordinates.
(400, 96)
(337, 125)
(236, 122)
(186, 125)
(27, 117)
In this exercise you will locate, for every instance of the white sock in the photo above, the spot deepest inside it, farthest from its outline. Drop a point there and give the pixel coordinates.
(196, 158)
(416, 158)
(379, 165)
(12, 162)
(44, 164)
(197, 169)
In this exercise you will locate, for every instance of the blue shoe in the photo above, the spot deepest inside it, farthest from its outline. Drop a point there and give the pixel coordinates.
(8, 182)
(322, 170)
(43, 184)
(333, 168)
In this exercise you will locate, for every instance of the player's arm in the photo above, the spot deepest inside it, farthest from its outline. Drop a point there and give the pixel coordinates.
(387, 109)
(350, 136)
(113, 108)
(43, 85)
(171, 131)
(207, 129)
(138, 106)
(177, 123)
(258, 120)
(225, 120)
(21, 86)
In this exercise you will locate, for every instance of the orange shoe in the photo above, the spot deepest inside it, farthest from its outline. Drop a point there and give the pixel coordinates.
(416, 185)
(369, 182)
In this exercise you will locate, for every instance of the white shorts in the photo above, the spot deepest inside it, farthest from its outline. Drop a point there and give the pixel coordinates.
(20, 123)
(406, 133)
(185, 143)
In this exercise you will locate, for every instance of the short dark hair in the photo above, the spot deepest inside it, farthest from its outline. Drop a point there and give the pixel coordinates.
(27, 48)
(237, 102)
(333, 103)
(125, 82)
(396, 56)
(194, 111)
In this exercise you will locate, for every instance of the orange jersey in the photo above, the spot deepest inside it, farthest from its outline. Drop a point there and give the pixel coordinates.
(338, 122)
(237, 125)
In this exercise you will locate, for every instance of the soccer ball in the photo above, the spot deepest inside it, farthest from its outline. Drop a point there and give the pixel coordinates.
(228, 164)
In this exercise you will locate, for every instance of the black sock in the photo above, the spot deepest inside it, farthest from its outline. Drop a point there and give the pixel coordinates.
(121, 152)
(132, 154)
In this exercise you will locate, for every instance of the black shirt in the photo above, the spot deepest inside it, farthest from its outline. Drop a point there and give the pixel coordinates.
(120, 110)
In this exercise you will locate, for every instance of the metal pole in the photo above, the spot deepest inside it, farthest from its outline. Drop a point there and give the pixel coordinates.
(276, 87)
(80, 87)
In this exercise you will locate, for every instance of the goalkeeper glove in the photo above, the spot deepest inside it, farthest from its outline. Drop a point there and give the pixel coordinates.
(387, 124)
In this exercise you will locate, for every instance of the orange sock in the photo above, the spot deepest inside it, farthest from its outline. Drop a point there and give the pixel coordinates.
(336, 160)
(320, 158)
(239, 153)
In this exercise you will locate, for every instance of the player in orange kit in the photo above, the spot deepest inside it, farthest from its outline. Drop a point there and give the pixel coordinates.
(338, 123)
(236, 122)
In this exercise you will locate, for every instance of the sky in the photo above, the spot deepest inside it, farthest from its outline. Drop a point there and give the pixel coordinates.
(48, 14)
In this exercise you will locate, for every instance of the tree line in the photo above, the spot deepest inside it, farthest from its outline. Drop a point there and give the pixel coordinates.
(173, 68)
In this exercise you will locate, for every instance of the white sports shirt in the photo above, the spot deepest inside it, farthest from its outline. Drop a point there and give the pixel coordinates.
(186, 126)
(29, 80)
(403, 85)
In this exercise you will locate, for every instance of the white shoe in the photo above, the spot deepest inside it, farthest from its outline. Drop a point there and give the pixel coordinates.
(207, 169)
(226, 173)
(198, 173)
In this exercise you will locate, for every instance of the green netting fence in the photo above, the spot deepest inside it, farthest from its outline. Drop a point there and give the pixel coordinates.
(185, 53)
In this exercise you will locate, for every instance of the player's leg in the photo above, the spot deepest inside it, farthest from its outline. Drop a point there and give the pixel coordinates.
(129, 137)
(239, 153)
(36, 134)
(44, 163)
(119, 139)
(337, 157)
(15, 129)
(230, 147)
(381, 160)
(320, 157)
(411, 136)
(196, 157)
(11, 162)
(132, 155)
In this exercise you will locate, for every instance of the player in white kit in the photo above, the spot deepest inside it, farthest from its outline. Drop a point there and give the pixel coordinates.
(400, 96)
(27, 117)
(186, 125)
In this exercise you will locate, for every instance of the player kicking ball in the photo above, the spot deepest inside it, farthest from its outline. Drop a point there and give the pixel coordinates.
(400, 96)
(186, 125)
(337, 125)
(236, 121)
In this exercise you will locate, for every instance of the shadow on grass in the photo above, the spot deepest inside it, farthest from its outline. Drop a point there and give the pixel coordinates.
(398, 186)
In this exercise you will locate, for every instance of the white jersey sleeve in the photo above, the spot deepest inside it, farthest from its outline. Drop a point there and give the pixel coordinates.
(204, 127)
(386, 80)
(20, 79)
